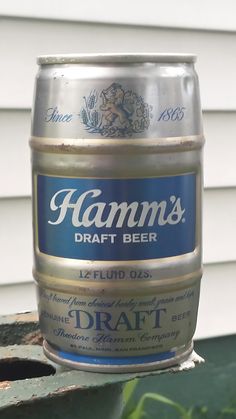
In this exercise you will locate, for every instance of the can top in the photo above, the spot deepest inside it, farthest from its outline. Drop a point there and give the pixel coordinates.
(113, 58)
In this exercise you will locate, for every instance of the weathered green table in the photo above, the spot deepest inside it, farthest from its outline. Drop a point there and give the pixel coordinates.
(32, 386)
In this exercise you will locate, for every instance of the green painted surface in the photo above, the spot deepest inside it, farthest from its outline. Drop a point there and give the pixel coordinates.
(64, 380)
(15, 329)
(68, 394)
(65, 395)
(102, 403)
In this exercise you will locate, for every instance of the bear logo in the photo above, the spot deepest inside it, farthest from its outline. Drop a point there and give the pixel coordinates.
(115, 112)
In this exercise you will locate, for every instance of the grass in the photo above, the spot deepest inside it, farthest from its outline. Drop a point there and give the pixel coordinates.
(194, 412)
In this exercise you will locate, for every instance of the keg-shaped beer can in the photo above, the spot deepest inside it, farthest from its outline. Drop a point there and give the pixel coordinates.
(117, 184)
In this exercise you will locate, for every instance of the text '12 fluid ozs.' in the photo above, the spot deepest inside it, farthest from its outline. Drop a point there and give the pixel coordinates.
(117, 183)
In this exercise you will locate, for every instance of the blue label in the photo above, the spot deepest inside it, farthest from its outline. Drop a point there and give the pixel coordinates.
(116, 219)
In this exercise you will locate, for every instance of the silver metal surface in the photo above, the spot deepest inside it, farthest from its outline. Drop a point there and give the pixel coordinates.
(168, 83)
(183, 355)
(116, 117)
(115, 58)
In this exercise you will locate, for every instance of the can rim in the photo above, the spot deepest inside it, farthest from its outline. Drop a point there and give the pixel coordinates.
(111, 58)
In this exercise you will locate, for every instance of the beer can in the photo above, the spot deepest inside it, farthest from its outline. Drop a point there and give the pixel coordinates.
(117, 182)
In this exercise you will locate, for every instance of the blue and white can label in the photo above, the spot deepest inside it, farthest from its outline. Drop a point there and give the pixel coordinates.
(116, 219)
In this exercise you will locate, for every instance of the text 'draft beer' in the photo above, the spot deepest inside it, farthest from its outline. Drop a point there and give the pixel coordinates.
(114, 219)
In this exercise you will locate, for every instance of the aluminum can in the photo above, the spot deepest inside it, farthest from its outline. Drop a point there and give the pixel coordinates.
(117, 184)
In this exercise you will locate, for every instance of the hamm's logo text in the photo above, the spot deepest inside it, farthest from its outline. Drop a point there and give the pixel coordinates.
(116, 219)
(113, 214)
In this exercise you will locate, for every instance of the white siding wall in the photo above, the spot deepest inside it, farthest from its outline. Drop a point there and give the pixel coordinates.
(23, 39)
(204, 14)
